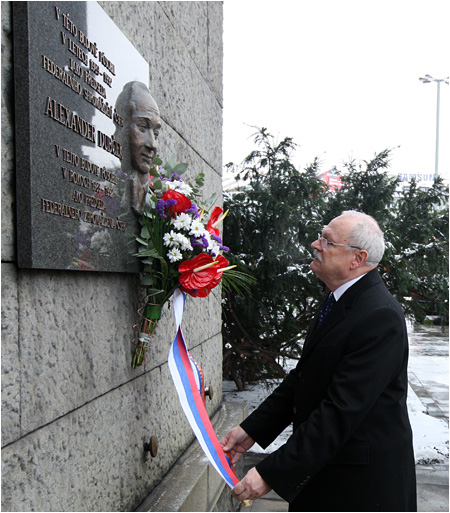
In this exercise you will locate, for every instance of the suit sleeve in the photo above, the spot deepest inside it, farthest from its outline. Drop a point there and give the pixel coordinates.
(374, 356)
(274, 414)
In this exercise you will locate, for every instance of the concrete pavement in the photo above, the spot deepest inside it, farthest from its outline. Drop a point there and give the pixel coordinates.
(432, 487)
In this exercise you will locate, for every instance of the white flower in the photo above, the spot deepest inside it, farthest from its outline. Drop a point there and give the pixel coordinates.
(214, 248)
(176, 185)
(197, 228)
(184, 242)
(174, 255)
(208, 238)
(172, 185)
(182, 221)
(171, 239)
(184, 188)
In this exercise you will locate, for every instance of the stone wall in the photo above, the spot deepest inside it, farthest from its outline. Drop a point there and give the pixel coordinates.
(75, 416)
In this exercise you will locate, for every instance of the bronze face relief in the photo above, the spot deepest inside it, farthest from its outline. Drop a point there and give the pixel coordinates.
(139, 136)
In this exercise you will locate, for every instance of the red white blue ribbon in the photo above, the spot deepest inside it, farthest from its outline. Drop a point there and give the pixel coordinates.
(187, 377)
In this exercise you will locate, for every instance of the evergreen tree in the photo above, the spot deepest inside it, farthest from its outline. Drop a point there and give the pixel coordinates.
(273, 219)
(416, 261)
(276, 215)
(415, 226)
(367, 188)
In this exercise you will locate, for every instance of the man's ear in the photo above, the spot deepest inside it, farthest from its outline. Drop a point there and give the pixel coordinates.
(360, 258)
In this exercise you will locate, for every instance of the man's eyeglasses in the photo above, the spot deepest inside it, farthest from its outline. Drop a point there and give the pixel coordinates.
(324, 243)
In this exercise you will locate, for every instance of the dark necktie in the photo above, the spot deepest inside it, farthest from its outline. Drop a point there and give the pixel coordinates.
(325, 310)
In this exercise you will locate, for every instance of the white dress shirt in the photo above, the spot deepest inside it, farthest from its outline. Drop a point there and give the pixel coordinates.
(340, 290)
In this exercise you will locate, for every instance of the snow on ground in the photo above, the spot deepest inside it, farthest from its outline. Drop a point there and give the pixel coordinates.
(428, 367)
(430, 434)
(428, 362)
(254, 395)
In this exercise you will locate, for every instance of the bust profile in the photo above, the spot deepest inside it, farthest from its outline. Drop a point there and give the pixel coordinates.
(139, 137)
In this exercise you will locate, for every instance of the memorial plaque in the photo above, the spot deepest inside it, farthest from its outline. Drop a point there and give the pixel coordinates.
(73, 170)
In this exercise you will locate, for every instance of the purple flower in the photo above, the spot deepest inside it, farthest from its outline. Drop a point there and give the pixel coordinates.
(193, 208)
(199, 241)
(163, 205)
(224, 248)
(216, 238)
(160, 207)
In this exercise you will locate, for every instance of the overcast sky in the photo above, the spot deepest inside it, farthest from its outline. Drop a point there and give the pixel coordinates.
(341, 77)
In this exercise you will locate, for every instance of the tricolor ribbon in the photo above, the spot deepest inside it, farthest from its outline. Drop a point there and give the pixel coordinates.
(188, 380)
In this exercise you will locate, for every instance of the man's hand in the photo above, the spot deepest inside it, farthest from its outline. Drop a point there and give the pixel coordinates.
(251, 487)
(236, 442)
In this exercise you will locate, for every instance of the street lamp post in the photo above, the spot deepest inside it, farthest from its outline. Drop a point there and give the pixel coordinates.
(427, 79)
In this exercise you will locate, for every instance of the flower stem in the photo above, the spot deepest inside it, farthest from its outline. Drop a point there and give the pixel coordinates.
(149, 321)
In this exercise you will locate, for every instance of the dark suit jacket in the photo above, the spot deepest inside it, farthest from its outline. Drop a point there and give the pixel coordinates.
(351, 448)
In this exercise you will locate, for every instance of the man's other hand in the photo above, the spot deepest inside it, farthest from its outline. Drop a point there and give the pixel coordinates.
(236, 442)
(251, 487)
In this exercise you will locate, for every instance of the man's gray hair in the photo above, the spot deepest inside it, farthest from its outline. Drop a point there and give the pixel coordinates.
(366, 234)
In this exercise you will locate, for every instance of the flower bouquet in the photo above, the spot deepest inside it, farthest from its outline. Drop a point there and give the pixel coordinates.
(180, 246)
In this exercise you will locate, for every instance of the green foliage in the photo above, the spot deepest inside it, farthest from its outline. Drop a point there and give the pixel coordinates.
(416, 260)
(367, 188)
(175, 231)
(273, 220)
(160, 278)
(415, 226)
(276, 215)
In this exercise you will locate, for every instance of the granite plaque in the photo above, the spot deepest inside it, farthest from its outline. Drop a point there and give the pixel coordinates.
(75, 73)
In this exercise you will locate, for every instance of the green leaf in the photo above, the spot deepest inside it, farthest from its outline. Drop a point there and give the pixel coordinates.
(148, 253)
(237, 281)
(148, 202)
(154, 292)
(209, 201)
(141, 241)
(147, 280)
(179, 169)
(145, 233)
(169, 165)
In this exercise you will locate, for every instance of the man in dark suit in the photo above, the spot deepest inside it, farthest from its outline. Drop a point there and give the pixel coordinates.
(351, 447)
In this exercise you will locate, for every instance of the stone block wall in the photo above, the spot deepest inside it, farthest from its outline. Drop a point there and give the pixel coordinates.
(75, 416)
